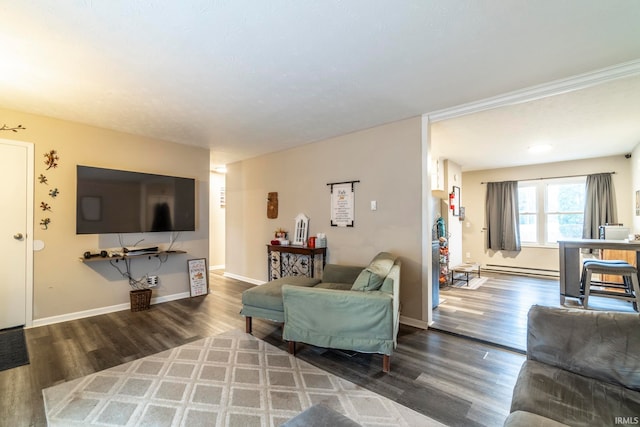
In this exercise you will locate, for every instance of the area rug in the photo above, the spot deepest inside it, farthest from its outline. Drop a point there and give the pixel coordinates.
(13, 348)
(231, 379)
(474, 283)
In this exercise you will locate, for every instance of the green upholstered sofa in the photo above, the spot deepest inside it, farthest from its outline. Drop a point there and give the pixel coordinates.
(351, 308)
(582, 369)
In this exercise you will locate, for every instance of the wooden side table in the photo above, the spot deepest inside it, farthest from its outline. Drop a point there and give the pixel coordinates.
(292, 260)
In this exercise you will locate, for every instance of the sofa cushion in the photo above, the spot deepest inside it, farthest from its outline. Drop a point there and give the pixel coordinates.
(269, 295)
(571, 398)
(371, 278)
(338, 286)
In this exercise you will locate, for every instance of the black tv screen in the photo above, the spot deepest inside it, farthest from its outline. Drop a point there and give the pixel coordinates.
(116, 201)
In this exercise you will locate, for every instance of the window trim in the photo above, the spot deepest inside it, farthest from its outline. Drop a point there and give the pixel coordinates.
(541, 186)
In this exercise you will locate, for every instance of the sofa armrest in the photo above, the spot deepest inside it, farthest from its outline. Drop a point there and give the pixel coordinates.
(355, 320)
(597, 344)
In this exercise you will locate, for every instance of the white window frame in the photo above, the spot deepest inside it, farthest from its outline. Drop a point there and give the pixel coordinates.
(541, 206)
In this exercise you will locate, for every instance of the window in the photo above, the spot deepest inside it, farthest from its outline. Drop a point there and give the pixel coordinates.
(551, 210)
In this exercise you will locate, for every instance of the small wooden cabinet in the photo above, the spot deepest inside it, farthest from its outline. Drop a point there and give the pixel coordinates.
(628, 256)
(289, 260)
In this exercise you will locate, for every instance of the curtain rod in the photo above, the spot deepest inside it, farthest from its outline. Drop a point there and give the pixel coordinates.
(557, 177)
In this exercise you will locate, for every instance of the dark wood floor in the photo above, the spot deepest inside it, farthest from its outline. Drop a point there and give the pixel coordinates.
(496, 312)
(451, 379)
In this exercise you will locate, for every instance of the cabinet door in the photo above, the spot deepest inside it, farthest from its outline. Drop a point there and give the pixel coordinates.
(629, 256)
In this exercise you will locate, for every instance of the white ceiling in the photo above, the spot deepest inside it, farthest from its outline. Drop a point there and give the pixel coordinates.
(246, 77)
(598, 121)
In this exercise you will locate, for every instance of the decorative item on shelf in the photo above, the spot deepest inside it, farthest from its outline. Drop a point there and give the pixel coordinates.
(321, 240)
(302, 229)
(14, 129)
(280, 233)
(312, 242)
(51, 159)
(43, 179)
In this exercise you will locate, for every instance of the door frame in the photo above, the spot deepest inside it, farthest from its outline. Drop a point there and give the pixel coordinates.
(29, 179)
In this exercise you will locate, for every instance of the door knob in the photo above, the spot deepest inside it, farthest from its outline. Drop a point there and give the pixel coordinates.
(18, 236)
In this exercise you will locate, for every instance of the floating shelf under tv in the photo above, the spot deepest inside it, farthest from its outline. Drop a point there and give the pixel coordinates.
(123, 257)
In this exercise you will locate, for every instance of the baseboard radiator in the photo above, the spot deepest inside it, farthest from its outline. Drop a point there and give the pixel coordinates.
(524, 271)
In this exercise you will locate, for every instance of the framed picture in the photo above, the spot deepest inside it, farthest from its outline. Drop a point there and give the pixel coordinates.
(198, 277)
(455, 201)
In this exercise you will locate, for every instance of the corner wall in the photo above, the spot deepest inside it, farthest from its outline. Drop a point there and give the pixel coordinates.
(63, 284)
(387, 161)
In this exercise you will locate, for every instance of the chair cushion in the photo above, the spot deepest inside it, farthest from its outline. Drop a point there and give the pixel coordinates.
(338, 286)
(269, 295)
(372, 277)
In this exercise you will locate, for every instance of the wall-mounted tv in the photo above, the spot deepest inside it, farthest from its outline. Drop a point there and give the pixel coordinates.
(116, 201)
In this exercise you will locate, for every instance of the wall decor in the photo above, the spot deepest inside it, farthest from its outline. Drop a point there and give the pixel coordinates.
(44, 223)
(455, 201)
(198, 282)
(14, 129)
(54, 193)
(272, 205)
(42, 179)
(342, 203)
(223, 197)
(51, 159)
(45, 206)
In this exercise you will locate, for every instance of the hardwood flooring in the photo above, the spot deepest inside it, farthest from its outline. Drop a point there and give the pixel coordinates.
(456, 381)
(496, 312)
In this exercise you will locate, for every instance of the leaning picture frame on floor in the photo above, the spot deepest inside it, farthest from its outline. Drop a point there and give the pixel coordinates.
(198, 277)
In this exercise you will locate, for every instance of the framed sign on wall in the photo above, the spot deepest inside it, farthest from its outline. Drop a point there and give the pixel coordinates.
(198, 277)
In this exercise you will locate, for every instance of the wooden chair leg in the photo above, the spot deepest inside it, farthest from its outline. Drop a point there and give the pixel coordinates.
(292, 347)
(386, 363)
(247, 324)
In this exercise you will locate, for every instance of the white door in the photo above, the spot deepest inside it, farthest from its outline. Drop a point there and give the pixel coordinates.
(16, 242)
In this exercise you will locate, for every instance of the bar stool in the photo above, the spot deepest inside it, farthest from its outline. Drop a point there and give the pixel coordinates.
(629, 274)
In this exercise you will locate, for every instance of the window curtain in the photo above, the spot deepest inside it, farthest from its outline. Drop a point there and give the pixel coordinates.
(599, 205)
(503, 221)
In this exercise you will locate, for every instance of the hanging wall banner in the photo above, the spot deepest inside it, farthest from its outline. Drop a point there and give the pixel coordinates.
(342, 205)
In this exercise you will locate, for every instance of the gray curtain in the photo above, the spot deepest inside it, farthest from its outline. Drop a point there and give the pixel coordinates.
(503, 223)
(599, 205)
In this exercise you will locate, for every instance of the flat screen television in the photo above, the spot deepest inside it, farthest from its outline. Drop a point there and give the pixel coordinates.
(117, 201)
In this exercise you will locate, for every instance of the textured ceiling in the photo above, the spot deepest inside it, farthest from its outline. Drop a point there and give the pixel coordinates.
(246, 77)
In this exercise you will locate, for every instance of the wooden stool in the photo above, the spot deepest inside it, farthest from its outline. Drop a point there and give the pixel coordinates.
(629, 274)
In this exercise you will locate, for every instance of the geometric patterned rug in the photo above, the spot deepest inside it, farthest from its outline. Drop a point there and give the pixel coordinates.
(231, 379)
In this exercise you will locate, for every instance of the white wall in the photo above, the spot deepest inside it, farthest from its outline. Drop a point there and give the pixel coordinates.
(386, 160)
(535, 257)
(635, 186)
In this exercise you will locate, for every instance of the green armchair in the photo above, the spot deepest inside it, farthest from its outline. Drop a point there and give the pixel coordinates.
(363, 316)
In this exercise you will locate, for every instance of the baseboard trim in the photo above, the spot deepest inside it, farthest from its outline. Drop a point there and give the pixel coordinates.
(217, 267)
(243, 278)
(421, 324)
(102, 310)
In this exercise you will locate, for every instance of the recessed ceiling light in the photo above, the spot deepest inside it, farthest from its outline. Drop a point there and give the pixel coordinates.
(220, 169)
(540, 148)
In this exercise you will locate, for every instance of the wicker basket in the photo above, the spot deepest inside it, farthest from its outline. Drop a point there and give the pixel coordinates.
(140, 299)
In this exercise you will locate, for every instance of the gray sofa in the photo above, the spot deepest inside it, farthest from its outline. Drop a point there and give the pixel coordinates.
(582, 369)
